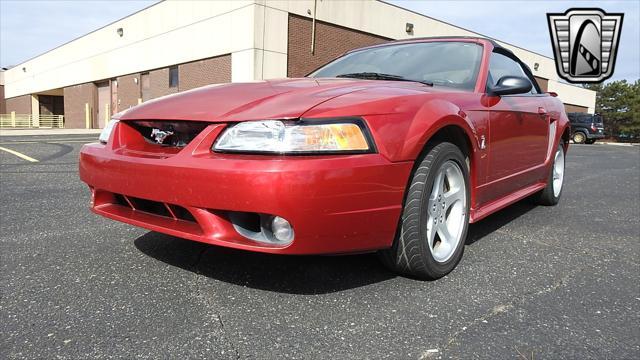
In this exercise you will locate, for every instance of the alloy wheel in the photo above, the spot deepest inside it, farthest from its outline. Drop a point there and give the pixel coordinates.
(558, 172)
(446, 212)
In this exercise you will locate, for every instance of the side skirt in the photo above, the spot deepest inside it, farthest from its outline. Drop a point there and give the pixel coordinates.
(490, 208)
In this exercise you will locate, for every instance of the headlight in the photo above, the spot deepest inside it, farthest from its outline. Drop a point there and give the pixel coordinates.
(106, 132)
(274, 136)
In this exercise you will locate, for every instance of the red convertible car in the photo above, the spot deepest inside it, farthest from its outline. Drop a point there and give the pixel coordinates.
(393, 148)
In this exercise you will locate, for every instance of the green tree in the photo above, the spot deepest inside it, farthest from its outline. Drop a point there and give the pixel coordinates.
(632, 123)
(619, 104)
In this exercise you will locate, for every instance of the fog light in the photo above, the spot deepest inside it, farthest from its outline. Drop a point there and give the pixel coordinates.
(281, 229)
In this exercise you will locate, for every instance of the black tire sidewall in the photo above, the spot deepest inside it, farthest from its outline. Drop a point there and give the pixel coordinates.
(448, 152)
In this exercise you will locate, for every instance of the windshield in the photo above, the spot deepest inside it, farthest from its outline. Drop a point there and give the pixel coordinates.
(450, 64)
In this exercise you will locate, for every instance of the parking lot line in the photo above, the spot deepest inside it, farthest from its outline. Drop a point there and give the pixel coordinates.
(48, 142)
(35, 141)
(20, 155)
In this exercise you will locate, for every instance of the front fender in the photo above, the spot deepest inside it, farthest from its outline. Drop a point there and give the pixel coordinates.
(435, 115)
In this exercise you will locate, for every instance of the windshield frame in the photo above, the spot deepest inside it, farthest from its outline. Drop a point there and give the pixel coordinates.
(480, 69)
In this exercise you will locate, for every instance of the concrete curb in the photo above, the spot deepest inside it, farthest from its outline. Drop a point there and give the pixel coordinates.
(607, 143)
(36, 132)
(618, 144)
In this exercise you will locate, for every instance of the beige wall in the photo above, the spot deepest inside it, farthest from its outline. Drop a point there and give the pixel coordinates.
(253, 32)
(170, 32)
(389, 21)
(570, 94)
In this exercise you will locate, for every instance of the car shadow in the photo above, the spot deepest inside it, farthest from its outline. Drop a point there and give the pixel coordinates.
(495, 221)
(304, 275)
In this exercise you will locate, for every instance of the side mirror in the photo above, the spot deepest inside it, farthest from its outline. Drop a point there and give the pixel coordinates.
(509, 85)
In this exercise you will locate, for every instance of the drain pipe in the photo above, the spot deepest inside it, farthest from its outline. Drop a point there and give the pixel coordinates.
(313, 28)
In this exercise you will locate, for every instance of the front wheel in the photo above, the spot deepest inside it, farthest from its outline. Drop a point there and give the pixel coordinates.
(551, 193)
(433, 227)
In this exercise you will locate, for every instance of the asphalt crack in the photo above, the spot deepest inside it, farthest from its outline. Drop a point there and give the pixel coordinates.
(208, 301)
(503, 308)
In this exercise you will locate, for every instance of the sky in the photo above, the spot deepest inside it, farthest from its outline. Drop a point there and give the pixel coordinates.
(29, 28)
(524, 24)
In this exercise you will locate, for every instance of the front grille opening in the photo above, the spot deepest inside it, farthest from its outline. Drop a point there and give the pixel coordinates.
(148, 206)
(247, 221)
(154, 207)
(254, 226)
(120, 200)
(169, 133)
(182, 213)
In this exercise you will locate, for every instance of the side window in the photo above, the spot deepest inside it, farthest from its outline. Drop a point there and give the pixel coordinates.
(501, 65)
(173, 76)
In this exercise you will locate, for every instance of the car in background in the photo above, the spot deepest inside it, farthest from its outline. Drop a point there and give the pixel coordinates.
(586, 128)
(393, 148)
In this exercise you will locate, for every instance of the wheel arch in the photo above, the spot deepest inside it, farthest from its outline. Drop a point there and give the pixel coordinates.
(565, 137)
(457, 130)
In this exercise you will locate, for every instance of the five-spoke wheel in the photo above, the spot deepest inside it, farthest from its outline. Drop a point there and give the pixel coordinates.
(435, 217)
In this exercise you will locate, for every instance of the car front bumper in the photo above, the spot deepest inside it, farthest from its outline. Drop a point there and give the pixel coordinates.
(335, 204)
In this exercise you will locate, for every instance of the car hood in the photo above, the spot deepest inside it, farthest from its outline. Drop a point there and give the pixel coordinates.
(272, 99)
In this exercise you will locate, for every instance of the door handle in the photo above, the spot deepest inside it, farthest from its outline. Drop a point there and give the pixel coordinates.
(542, 111)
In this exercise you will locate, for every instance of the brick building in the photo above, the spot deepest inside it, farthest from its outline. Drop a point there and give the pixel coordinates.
(175, 46)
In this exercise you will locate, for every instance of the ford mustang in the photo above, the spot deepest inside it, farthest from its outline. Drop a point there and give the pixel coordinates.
(394, 148)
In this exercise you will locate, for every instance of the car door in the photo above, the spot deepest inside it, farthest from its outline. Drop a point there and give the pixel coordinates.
(518, 131)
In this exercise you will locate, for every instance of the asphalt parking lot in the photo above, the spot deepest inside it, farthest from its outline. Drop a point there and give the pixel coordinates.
(535, 282)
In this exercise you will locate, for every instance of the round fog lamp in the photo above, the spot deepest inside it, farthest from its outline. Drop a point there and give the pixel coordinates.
(281, 229)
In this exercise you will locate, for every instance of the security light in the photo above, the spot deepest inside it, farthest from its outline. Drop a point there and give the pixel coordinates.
(409, 28)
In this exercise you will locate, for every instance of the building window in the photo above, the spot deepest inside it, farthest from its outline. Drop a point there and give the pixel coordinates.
(173, 76)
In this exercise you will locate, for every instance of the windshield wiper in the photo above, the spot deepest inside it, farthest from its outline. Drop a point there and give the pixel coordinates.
(381, 76)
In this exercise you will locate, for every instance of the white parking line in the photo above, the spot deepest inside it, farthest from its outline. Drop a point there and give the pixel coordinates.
(49, 142)
(20, 155)
(33, 141)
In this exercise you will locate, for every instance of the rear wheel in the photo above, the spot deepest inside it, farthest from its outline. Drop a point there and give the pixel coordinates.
(435, 217)
(552, 192)
(592, 141)
(579, 137)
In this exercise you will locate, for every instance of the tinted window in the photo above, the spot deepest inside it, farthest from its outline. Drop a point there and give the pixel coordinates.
(597, 119)
(501, 65)
(173, 76)
(581, 118)
(450, 64)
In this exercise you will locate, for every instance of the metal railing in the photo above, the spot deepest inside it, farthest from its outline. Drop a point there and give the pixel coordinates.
(14, 120)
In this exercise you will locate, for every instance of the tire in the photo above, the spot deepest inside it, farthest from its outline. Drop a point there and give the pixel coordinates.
(592, 141)
(550, 195)
(579, 137)
(412, 254)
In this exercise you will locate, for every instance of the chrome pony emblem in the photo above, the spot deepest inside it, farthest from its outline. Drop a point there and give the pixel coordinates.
(585, 43)
(160, 135)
